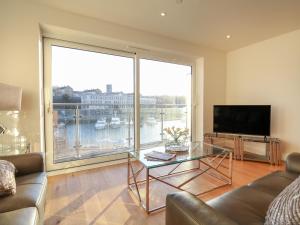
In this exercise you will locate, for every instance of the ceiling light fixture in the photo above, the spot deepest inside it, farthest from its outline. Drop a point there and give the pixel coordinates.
(228, 36)
(163, 14)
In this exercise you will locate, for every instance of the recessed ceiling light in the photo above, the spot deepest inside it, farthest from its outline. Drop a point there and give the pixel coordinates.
(163, 14)
(228, 36)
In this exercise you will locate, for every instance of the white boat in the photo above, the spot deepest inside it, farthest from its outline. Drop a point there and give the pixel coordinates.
(115, 122)
(128, 122)
(100, 124)
(61, 125)
(151, 121)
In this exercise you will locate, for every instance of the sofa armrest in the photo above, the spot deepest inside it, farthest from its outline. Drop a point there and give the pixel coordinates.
(293, 162)
(184, 208)
(26, 163)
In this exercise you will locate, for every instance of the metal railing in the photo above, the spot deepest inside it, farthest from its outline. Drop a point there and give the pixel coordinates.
(84, 129)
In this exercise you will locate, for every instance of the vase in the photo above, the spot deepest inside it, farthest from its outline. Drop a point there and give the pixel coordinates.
(176, 146)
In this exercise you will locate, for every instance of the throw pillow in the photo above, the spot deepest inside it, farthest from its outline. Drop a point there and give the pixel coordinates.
(285, 208)
(7, 178)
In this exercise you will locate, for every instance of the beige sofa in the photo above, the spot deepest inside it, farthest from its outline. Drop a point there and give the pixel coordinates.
(28, 204)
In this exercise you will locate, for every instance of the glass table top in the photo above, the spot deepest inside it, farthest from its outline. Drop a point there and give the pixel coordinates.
(197, 150)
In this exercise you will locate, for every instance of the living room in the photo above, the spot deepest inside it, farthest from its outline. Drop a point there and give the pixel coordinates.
(236, 52)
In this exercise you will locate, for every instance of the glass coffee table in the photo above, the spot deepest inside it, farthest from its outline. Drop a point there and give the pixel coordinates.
(212, 160)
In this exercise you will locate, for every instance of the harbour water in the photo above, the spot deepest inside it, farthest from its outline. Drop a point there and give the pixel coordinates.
(118, 137)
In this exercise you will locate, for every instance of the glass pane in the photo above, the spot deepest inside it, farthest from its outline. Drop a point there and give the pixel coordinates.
(165, 99)
(93, 104)
(197, 150)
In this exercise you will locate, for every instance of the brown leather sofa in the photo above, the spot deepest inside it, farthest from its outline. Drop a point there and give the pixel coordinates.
(28, 204)
(243, 206)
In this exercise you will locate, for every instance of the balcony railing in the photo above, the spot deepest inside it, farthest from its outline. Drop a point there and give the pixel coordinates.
(89, 130)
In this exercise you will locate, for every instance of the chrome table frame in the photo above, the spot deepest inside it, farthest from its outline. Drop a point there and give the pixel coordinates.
(134, 186)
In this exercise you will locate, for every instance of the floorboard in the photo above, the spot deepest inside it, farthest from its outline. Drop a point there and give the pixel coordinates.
(100, 196)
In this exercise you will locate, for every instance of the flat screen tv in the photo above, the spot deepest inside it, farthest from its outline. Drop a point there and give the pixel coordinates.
(242, 119)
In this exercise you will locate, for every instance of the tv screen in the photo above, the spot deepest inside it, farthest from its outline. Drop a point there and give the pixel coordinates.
(242, 119)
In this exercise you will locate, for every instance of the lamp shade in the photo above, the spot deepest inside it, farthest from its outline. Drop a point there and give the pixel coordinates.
(10, 97)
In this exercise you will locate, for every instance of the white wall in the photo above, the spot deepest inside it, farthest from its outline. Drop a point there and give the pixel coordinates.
(268, 72)
(20, 23)
(19, 63)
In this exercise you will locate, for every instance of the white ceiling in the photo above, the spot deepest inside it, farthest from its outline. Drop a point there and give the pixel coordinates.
(204, 22)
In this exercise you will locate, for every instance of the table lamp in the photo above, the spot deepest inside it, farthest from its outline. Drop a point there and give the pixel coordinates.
(10, 100)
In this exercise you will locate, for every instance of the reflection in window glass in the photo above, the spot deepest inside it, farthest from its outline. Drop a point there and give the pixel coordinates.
(165, 98)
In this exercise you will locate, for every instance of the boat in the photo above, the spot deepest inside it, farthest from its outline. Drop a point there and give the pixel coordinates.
(151, 121)
(115, 122)
(128, 123)
(61, 125)
(100, 124)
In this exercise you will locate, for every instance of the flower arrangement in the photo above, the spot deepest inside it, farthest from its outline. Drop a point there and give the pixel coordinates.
(177, 134)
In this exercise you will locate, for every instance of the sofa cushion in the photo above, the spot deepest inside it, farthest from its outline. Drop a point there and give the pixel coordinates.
(31, 193)
(33, 178)
(7, 178)
(28, 216)
(274, 183)
(245, 205)
(284, 209)
(26, 163)
(249, 204)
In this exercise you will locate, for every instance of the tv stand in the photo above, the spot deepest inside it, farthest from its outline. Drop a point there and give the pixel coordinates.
(273, 152)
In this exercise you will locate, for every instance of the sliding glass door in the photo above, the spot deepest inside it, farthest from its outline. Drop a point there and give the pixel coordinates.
(90, 104)
(165, 99)
(96, 110)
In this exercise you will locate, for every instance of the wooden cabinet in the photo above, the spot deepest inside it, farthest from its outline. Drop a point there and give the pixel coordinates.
(272, 154)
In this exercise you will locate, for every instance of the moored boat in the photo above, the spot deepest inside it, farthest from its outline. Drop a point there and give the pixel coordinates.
(100, 124)
(115, 122)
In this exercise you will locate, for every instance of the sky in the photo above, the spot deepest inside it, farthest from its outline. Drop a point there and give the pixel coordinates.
(90, 70)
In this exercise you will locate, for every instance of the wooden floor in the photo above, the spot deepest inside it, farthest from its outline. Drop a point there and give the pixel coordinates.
(100, 196)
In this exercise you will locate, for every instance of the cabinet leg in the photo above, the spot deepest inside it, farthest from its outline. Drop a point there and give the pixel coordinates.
(242, 148)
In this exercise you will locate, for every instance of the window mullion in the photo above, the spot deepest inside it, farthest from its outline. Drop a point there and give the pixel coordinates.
(137, 103)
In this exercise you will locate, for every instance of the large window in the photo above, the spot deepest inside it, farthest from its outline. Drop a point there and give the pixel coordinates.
(90, 102)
